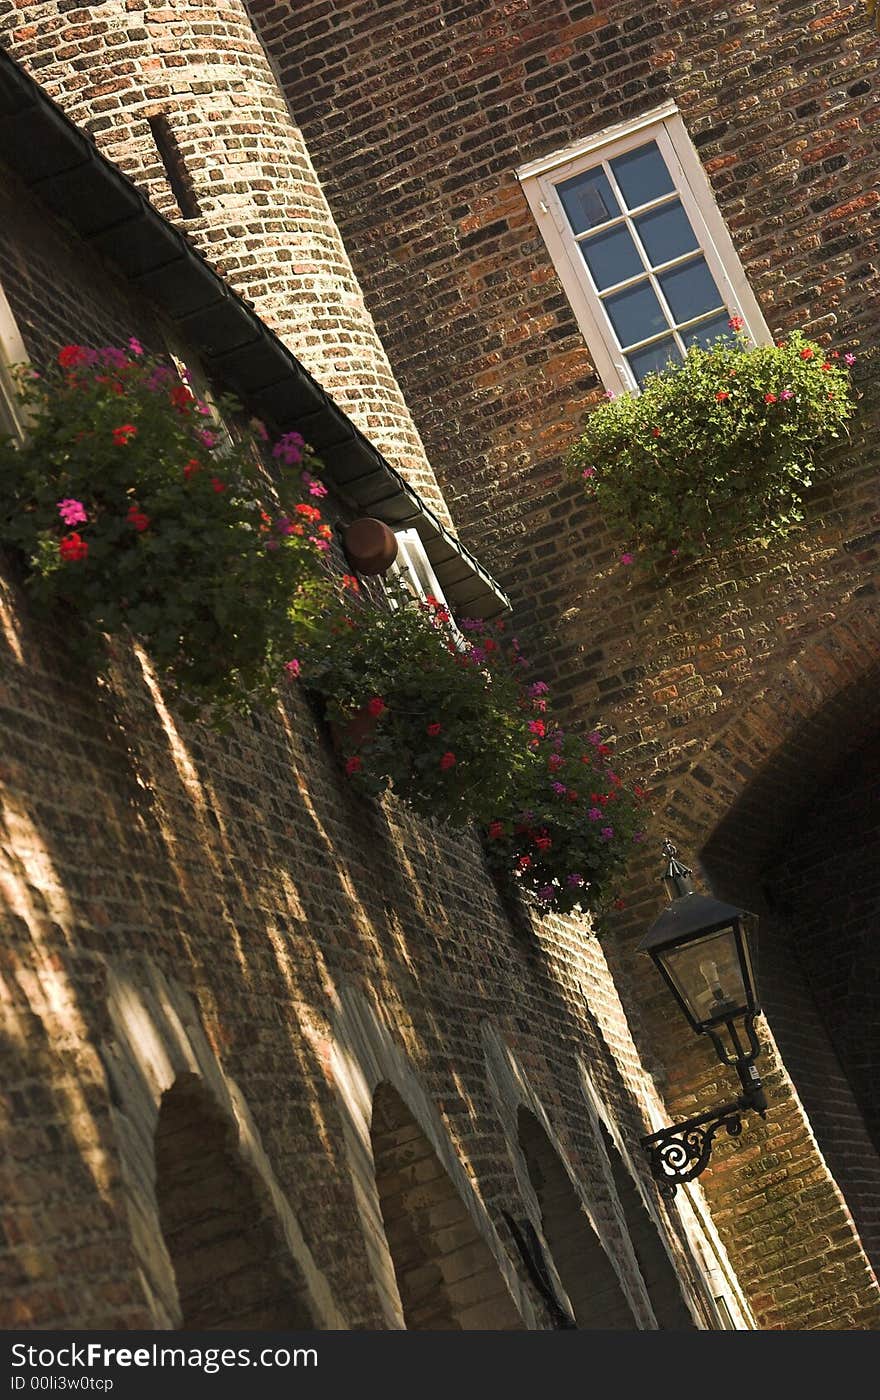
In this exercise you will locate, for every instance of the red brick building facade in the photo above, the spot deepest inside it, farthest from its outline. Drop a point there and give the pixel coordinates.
(231, 980)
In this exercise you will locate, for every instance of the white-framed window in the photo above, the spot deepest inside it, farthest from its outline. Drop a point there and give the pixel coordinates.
(640, 246)
(412, 567)
(13, 419)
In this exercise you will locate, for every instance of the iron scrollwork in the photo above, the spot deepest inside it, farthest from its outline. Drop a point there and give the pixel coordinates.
(679, 1153)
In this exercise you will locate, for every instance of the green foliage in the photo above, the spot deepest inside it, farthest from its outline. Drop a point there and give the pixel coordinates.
(572, 824)
(719, 448)
(133, 511)
(449, 721)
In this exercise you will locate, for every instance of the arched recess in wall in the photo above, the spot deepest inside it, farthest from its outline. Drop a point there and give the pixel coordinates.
(385, 1150)
(446, 1276)
(201, 1195)
(593, 1288)
(661, 1280)
(800, 845)
(231, 1265)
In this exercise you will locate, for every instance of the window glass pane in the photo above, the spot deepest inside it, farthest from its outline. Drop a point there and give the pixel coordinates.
(666, 233)
(642, 175)
(690, 290)
(707, 332)
(588, 199)
(612, 257)
(635, 314)
(656, 356)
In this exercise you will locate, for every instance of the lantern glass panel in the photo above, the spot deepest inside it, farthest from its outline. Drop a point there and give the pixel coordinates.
(707, 974)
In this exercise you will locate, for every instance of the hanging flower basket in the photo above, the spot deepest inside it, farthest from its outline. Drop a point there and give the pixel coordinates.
(131, 508)
(720, 448)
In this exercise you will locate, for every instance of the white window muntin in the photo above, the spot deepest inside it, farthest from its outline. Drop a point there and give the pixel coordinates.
(540, 179)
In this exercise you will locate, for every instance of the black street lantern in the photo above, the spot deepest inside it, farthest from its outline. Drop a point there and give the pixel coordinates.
(701, 948)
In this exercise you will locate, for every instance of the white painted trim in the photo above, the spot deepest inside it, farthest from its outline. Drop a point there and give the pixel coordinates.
(539, 181)
(13, 418)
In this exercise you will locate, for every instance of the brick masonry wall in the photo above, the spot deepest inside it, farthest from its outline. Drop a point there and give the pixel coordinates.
(262, 217)
(417, 118)
(179, 903)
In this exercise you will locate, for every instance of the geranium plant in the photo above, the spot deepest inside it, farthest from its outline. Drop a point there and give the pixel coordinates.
(720, 447)
(570, 827)
(448, 720)
(132, 507)
(419, 710)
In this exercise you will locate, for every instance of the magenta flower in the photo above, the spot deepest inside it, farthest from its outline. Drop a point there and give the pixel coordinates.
(786, 394)
(292, 668)
(627, 558)
(595, 814)
(595, 738)
(849, 359)
(135, 346)
(72, 512)
(606, 833)
(289, 448)
(546, 892)
(538, 688)
(205, 438)
(559, 788)
(588, 472)
(574, 880)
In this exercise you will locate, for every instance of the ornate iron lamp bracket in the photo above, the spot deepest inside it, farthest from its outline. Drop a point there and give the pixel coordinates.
(679, 1153)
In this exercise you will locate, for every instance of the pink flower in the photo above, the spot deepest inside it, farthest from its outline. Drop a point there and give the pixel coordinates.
(289, 448)
(448, 761)
(627, 558)
(538, 688)
(588, 472)
(594, 738)
(434, 730)
(559, 788)
(72, 512)
(606, 833)
(786, 394)
(205, 438)
(135, 346)
(292, 668)
(849, 359)
(376, 706)
(555, 762)
(546, 893)
(736, 323)
(595, 814)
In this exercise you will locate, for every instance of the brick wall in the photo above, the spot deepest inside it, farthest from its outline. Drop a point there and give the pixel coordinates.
(189, 914)
(417, 118)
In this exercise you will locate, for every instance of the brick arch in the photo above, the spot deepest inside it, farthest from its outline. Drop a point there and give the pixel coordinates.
(593, 1288)
(231, 1265)
(446, 1276)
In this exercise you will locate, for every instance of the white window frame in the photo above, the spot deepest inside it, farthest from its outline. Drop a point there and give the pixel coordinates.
(13, 416)
(539, 179)
(413, 567)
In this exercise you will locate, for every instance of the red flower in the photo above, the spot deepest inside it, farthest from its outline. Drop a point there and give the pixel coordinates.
(137, 518)
(434, 730)
(524, 862)
(722, 395)
(73, 547)
(353, 765)
(543, 843)
(807, 353)
(537, 726)
(448, 761)
(349, 581)
(496, 830)
(122, 434)
(770, 398)
(217, 484)
(827, 366)
(311, 513)
(619, 904)
(181, 398)
(736, 323)
(376, 706)
(193, 466)
(70, 355)
(655, 432)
